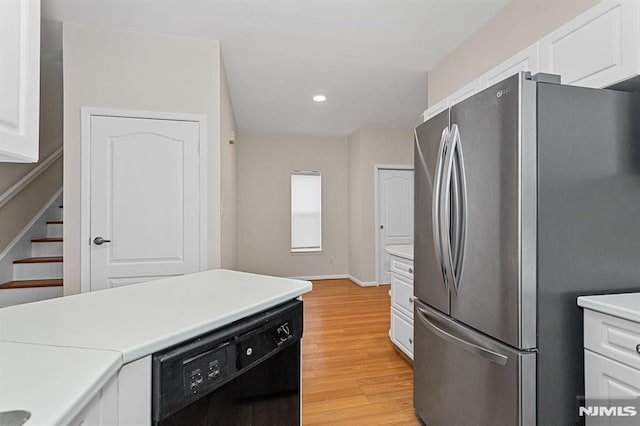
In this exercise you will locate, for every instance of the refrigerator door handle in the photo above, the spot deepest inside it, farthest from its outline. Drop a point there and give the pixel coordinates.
(435, 213)
(461, 210)
(429, 320)
(444, 207)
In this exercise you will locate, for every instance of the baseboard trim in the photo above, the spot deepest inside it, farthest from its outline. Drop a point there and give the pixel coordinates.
(322, 277)
(362, 283)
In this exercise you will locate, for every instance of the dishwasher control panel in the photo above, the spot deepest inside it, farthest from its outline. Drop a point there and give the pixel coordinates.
(205, 370)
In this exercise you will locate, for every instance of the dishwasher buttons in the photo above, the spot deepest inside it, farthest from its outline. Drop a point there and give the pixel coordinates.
(214, 372)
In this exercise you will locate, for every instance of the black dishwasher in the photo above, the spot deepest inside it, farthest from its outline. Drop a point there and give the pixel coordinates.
(246, 373)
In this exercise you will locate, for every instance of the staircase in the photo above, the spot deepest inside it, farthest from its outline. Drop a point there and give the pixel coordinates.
(40, 276)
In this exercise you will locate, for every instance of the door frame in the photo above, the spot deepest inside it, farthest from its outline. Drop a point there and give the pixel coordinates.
(86, 113)
(376, 177)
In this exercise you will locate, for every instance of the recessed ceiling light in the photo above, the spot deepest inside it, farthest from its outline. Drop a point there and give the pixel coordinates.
(319, 98)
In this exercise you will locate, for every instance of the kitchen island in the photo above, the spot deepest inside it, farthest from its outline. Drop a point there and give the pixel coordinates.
(86, 342)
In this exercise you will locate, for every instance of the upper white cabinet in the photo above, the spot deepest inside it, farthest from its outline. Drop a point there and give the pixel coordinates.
(465, 91)
(459, 95)
(598, 48)
(526, 60)
(19, 80)
(435, 109)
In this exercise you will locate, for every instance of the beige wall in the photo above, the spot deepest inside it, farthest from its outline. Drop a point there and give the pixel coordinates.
(228, 166)
(518, 25)
(368, 147)
(265, 162)
(136, 71)
(15, 215)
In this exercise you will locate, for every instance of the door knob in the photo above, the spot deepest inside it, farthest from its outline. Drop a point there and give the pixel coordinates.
(99, 241)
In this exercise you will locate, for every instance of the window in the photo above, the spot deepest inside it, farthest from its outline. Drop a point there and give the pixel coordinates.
(306, 211)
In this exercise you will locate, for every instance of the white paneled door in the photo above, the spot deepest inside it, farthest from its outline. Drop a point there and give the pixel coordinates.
(145, 200)
(395, 215)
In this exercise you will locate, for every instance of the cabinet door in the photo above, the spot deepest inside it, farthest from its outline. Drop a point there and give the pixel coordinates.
(102, 409)
(402, 294)
(19, 80)
(596, 49)
(606, 378)
(435, 109)
(402, 332)
(526, 60)
(464, 92)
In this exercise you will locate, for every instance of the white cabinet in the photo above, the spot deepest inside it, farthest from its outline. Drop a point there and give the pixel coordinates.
(124, 400)
(526, 60)
(102, 409)
(612, 356)
(465, 91)
(435, 109)
(401, 331)
(19, 80)
(598, 48)
(458, 96)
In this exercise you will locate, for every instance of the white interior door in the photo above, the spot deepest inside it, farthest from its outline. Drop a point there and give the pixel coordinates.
(145, 200)
(395, 215)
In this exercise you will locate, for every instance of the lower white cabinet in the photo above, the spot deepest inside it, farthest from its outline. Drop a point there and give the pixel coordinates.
(606, 378)
(611, 358)
(401, 293)
(102, 409)
(402, 332)
(125, 399)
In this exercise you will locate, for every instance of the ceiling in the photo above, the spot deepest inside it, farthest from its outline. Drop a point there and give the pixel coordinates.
(369, 57)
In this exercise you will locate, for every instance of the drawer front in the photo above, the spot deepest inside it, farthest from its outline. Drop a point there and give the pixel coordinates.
(606, 378)
(402, 267)
(613, 337)
(402, 332)
(402, 294)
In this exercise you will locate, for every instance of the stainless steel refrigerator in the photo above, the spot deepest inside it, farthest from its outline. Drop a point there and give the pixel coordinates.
(527, 195)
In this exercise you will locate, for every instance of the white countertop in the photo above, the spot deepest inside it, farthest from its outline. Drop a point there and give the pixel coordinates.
(404, 250)
(141, 319)
(69, 347)
(52, 383)
(624, 305)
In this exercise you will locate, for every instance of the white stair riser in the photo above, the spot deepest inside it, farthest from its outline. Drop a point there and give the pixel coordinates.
(54, 230)
(46, 249)
(37, 271)
(16, 296)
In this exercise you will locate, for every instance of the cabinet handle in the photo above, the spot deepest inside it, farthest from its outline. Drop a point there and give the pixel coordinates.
(411, 270)
(638, 348)
(410, 341)
(411, 301)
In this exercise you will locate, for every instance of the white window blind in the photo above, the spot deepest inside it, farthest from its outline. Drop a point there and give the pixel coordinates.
(306, 211)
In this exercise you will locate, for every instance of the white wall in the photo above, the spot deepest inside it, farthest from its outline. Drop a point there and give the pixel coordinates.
(367, 147)
(265, 162)
(136, 71)
(518, 25)
(228, 171)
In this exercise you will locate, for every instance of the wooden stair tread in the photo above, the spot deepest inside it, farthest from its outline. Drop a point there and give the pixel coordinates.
(54, 222)
(48, 259)
(32, 284)
(46, 240)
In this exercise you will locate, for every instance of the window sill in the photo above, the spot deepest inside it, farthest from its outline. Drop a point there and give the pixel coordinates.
(306, 251)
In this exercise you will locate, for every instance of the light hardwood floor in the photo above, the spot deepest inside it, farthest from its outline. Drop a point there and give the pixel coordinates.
(351, 373)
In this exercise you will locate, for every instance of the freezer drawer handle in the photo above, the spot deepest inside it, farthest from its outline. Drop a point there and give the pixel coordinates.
(467, 346)
(638, 348)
